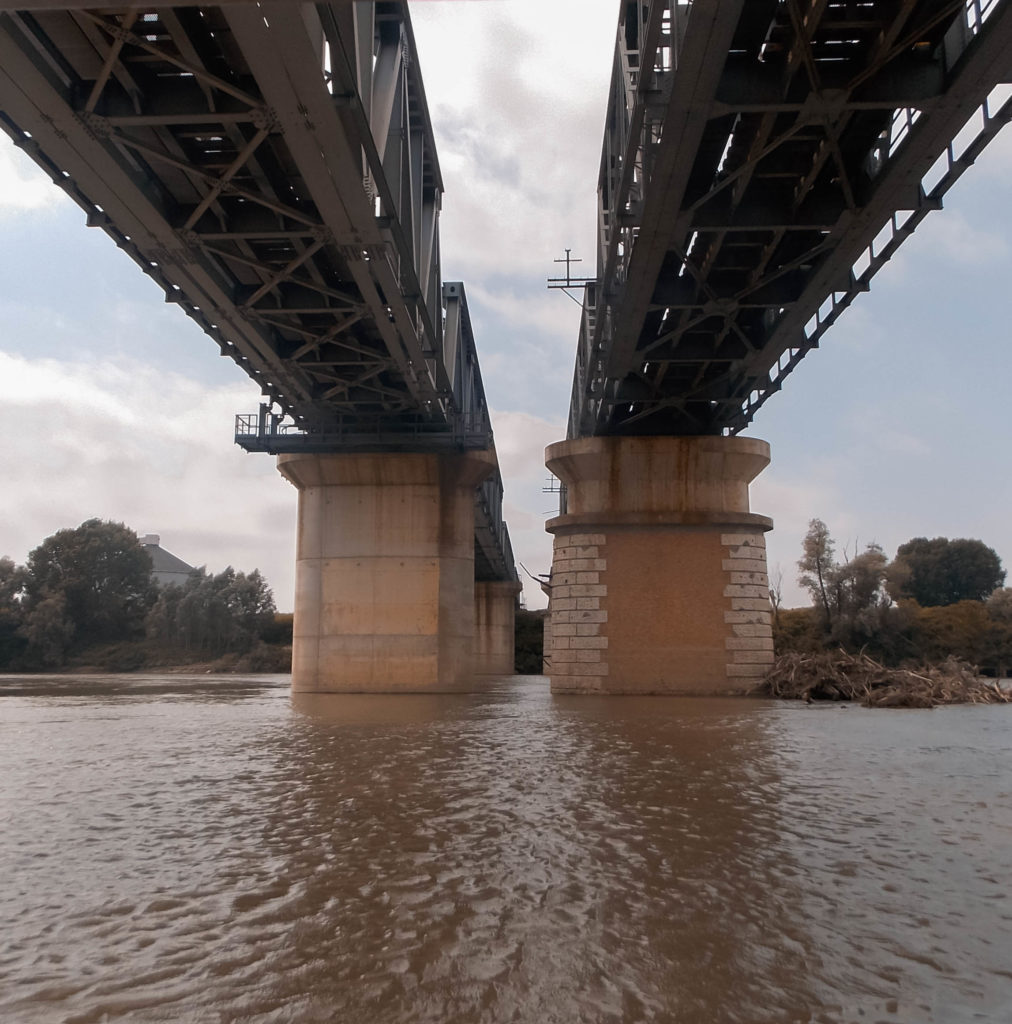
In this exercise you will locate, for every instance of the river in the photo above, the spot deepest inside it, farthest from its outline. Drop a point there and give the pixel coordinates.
(208, 849)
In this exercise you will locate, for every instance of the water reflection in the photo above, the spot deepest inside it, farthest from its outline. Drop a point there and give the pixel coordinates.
(140, 685)
(380, 709)
(508, 856)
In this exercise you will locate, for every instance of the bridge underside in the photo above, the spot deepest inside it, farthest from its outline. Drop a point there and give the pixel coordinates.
(762, 160)
(272, 167)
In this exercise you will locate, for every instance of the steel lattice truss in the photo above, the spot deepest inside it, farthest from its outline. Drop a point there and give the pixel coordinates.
(272, 166)
(234, 152)
(762, 160)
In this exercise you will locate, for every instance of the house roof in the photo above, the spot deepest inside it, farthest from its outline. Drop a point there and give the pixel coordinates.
(162, 560)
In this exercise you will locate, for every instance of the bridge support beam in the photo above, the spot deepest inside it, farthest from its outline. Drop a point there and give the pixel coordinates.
(385, 592)
(659, 578)
(495, 624)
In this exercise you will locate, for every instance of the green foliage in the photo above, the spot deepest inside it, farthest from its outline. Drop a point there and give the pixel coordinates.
(894, 639)
(529, 641)
(944, 572)
(929, 620)
(959, 629)
(213, 614)
(124, 657)
(279, 631)
(798, 630)
(262, 657)
(999, 634)
(86, 597)
(48, 630)
(850, 595)
(12, 642)
(85, 586)
(817, 565)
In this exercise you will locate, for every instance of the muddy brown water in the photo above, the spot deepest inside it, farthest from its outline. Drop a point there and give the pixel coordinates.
(192, 849)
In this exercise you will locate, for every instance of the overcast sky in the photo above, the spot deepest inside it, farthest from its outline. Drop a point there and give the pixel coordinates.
(114, 405)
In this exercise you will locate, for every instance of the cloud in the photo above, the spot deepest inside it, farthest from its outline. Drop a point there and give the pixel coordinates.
(136, 434)
(545, 312)
(129, 442)
(791, 501)
(521, 439)
(518, 122)
(879, 429)
(21, 187)
(126, 442)
(950, 237)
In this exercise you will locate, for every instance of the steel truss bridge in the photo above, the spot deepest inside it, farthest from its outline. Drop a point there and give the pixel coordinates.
(271, 165)
(762, 160)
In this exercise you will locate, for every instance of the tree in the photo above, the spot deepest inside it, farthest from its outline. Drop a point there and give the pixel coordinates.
(861, 599)
(95, 580)
(12, 642)
(229, 611)
(943, 572)
(776, 584)
(251, 603)
(798, 630)
(49, 631)
(999, 613)
(851, 593)
(818, 565)
(959, 629)
(847, 592)
(529, 632)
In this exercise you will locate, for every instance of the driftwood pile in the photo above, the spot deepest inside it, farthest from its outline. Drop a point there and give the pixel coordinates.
(840, 676)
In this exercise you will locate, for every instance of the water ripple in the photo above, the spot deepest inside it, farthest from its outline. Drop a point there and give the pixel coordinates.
(176, 852)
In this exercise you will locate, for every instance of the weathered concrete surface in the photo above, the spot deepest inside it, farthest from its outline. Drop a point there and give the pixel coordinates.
(659, 578)
(546, 633)
(494, 627)
(384, 597)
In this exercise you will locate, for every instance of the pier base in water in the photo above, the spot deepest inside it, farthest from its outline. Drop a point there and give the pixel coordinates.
(494, 626)
(385, 591)
(659, 580)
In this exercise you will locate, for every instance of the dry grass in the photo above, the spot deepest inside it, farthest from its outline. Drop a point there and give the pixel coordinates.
(837, 675)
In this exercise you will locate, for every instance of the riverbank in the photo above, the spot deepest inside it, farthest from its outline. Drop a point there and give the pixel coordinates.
(146, 657)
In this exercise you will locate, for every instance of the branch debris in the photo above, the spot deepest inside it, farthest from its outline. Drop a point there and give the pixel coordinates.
(840, 676)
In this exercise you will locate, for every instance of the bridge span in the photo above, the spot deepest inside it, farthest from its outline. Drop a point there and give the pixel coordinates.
(272, 167)
(762, 160)
(270, 163)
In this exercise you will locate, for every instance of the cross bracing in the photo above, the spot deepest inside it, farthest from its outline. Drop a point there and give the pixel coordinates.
(275, 174)
(271, 165)
(762, 160)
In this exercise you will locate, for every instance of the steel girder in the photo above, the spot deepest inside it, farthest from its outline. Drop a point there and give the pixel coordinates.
(267, 431)
(761, 162)
(273, 168)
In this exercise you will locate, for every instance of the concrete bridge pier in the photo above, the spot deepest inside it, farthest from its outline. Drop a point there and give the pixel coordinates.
(385, 591)
(659, 578)
(495, 620)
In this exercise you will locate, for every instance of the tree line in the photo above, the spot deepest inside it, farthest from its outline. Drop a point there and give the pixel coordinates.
(936, 598)
(91, 586)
